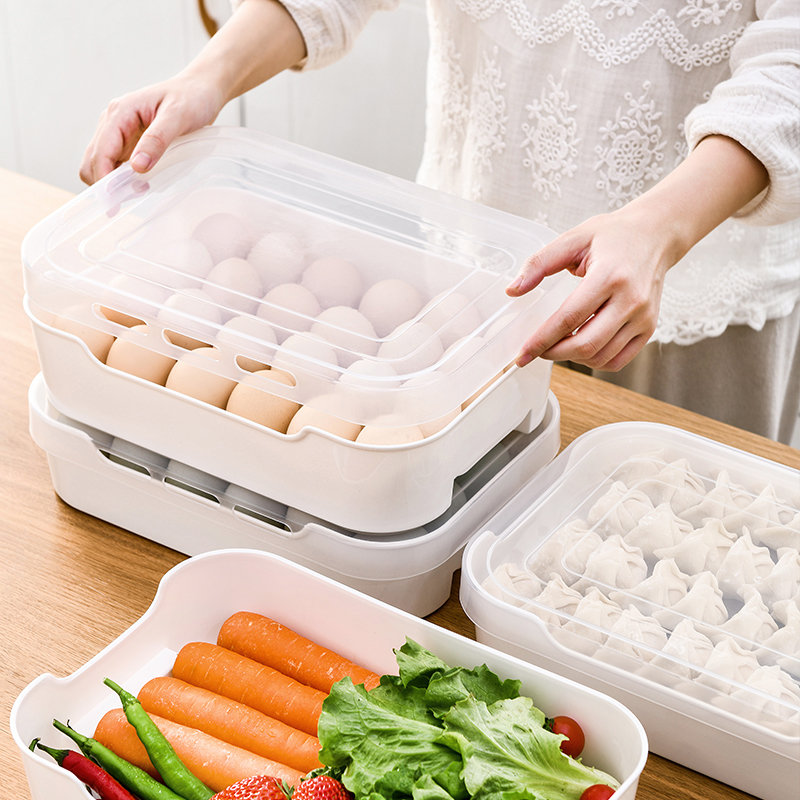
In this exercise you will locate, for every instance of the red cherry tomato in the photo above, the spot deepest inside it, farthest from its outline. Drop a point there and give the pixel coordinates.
(573, 744)
(598, 791)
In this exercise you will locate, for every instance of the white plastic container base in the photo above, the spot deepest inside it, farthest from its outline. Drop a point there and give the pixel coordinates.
(661, 568)
(362, 487)
(194, 512)
(195, 598)
(198, 310)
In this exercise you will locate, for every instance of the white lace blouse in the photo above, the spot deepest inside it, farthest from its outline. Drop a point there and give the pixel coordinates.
(559, 110)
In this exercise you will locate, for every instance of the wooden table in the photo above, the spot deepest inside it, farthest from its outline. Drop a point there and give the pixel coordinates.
(71, 583)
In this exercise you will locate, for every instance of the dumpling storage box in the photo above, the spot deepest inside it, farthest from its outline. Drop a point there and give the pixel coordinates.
(198, 595)
(303, 327)
(194, 512)
(663, 569)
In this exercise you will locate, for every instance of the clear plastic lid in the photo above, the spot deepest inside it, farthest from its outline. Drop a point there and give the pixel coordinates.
(384, 301)
(673, 560)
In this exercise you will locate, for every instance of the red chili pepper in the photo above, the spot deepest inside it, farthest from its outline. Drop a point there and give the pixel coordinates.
(93, 775)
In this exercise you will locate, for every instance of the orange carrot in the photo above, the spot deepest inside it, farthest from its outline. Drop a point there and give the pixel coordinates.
(231, 721)
(216, 763)
(279, 647)
(246, 681)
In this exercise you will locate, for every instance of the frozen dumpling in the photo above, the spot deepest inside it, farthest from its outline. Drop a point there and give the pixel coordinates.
(656, 529)
(744, 563)
(663, 589)
(614, 564)
(619, 509)
(703, 603)
(751, 623)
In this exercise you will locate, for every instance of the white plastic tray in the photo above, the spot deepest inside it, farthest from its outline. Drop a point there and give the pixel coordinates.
(537, 589)
(195, 512)
(358, 486)
(195, 598)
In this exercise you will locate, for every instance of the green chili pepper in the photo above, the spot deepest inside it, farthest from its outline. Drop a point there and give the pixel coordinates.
(171, 769)
(135, 780)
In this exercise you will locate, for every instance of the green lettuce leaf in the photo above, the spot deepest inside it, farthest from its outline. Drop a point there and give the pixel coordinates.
(507, 752)
(385, 739)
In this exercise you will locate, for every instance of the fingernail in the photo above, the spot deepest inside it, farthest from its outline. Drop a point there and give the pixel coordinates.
(141, 161)
(516, 283)
(524, 359)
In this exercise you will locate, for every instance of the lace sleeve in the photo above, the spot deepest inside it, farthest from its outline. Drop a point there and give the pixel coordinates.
(759, 106)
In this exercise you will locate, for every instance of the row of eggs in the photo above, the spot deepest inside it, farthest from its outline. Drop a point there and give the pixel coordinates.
(193, 375)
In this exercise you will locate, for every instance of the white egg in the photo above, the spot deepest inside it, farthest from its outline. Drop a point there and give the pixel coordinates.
(225, 235)
(452, 315)
(289, 308)
(131, 301)
(191, 318)
(310, 417)
(249, 334)
(278, 257)
(389, 303)
(411, 348)
(187, 262)
(234, 284)
(389, 430)
(251, 400)
(334, 281)
(192, 375)
(347, 329)
(133, 352)
(308, 352)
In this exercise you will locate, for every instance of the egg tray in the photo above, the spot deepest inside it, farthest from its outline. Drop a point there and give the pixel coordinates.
(362, 487)
(195, 597)
(194, 512)
(663, 568)
(383, 302)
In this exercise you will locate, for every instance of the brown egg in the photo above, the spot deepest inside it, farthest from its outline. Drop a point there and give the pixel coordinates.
(246, 333)
(333, 281)
(389, 303)
(278, 257)
(452, 315)
(250, 400)
(99, 342)
(235, 286)
(385, 430)
(308, 417)
(191, 376)
(432, 426)
(411, 348)
(289, 308)
(132, 352)
(348, 329)
(191, 308)
(225, 235)
(185, 263)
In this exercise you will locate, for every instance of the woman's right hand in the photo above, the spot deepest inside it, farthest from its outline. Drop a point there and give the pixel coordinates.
(139, 126)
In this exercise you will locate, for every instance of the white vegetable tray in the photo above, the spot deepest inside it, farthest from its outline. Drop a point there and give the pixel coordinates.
(664, 569)
(194, 512)
(363, 487)
(194, 599)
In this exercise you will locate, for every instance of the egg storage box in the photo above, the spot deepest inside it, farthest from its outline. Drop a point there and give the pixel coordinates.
(250, 307)
(198, 595)
(664, 569)
(194, 512)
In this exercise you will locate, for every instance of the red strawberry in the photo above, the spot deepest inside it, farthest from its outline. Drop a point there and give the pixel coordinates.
(256, 787)
(321, 787)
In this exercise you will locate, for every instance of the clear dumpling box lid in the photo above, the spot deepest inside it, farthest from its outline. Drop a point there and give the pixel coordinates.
(382, 301)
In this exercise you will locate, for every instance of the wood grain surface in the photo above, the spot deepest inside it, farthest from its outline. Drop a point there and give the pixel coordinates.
(72, 583)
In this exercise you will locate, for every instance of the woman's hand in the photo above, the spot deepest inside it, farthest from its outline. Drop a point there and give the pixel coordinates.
(260, 40)
(139, 126)
(622, 257)
(612, 313)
